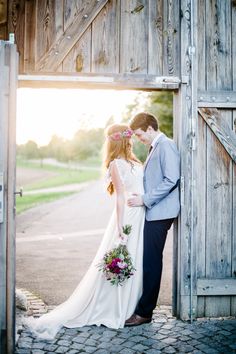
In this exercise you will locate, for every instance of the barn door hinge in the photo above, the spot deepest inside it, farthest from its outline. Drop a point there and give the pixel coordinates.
(1, 197)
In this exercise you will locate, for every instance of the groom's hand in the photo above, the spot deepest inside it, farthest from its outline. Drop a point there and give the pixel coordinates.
(135, 201)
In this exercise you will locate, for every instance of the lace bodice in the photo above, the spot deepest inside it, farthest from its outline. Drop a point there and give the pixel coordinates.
(131, 175)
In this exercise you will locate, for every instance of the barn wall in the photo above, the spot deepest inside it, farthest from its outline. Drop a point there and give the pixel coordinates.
(125, 36)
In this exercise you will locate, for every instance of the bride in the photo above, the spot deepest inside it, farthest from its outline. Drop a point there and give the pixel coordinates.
(95, 301)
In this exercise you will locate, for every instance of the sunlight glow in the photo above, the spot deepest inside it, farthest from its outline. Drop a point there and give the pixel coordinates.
(42, 113)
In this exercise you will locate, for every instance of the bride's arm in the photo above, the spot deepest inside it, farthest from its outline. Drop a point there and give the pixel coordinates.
(120, 196)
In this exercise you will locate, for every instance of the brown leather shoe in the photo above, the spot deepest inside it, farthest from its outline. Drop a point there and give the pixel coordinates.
(136, 320)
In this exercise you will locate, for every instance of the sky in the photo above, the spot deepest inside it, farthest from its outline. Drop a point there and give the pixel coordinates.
(42, 113)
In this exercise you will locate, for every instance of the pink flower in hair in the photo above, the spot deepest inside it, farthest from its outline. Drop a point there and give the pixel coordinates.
(116, 136)
(119, 136)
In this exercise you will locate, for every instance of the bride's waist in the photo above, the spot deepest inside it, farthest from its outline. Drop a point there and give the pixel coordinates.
(130, 194)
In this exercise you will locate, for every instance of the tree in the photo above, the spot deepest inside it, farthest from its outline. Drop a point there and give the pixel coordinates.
(30, 150)
(161, 105)
(87, 143)
(56, 147)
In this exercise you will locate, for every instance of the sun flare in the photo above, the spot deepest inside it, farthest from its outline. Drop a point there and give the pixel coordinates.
(42, 113)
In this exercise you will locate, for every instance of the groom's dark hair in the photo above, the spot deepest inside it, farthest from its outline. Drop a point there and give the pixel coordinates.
(143, 120)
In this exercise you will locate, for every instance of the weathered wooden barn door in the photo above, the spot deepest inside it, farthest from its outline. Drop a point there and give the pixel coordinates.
(216, 224)
(206, 245)
(215, 246)
(8, 85)
(205, 248)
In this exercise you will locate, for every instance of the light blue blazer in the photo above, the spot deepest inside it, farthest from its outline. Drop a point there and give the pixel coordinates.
(161, 173)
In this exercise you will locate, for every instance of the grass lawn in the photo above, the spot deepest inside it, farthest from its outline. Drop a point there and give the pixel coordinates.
(62, 176)
(30, 201)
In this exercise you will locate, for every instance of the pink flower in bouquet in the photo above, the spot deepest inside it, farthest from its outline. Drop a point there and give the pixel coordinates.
(122, 265)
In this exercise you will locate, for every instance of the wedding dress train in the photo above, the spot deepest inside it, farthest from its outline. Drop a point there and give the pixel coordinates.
(95, 301)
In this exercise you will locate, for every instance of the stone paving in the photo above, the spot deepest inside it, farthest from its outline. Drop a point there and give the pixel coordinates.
(165, 334)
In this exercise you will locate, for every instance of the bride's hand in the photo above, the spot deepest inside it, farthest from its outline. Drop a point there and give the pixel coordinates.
(123, 238)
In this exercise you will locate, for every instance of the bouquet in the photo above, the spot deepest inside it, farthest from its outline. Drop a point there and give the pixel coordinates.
(117, 264)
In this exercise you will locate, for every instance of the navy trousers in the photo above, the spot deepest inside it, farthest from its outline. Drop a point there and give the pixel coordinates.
(155, 233)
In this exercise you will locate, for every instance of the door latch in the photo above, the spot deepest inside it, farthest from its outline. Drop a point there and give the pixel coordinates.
(20, 192)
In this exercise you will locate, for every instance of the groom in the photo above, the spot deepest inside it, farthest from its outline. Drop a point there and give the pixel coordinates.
(161, 199)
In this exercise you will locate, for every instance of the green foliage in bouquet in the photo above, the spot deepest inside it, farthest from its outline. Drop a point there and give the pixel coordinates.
(127, 229)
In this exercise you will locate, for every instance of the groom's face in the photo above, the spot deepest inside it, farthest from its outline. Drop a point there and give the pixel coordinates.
(145, 137)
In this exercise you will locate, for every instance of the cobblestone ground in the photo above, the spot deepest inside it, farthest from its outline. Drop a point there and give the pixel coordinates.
(164, 335)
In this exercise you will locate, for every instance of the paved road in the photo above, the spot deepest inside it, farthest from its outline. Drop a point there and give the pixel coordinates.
(56, 243)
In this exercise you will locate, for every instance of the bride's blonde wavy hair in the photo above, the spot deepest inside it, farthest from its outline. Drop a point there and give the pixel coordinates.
(113, 149)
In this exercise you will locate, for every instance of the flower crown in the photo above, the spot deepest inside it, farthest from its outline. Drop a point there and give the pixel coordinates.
(121, 135)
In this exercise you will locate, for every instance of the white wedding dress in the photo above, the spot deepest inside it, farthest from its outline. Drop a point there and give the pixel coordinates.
(95, 301)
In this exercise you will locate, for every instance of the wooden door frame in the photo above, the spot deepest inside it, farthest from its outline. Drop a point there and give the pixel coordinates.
(138, 82)
(9, 68)
(125, 82)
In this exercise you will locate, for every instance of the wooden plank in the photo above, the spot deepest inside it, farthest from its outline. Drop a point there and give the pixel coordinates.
(79, 58)
(214, 287)
(49, 25)
(218, 45)
(201, 45)
(200, 306)
(30, 33)
(187, 277)
(171, 35)
(3, 12)
(16, 24)
(177, 115)
(219, 217)
(117, 81)
(105, 39)
(133, 36)
(221, 129)
(4, 84)
(184, 131)
(11, 183)
(3, 32)
(233, 298)
(234, 46)
(183, 270)
(71, 9)
(59, 49)
(201, 208)
(175, 269)
(208, 104)
(59, 18)
(215, 99)
(155, 37)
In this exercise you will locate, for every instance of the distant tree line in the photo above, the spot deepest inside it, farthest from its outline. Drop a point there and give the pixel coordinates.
(85, 144)
(88, 143)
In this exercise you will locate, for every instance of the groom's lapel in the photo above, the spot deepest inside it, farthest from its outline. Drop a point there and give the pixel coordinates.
(149, 156)
(152, 151)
